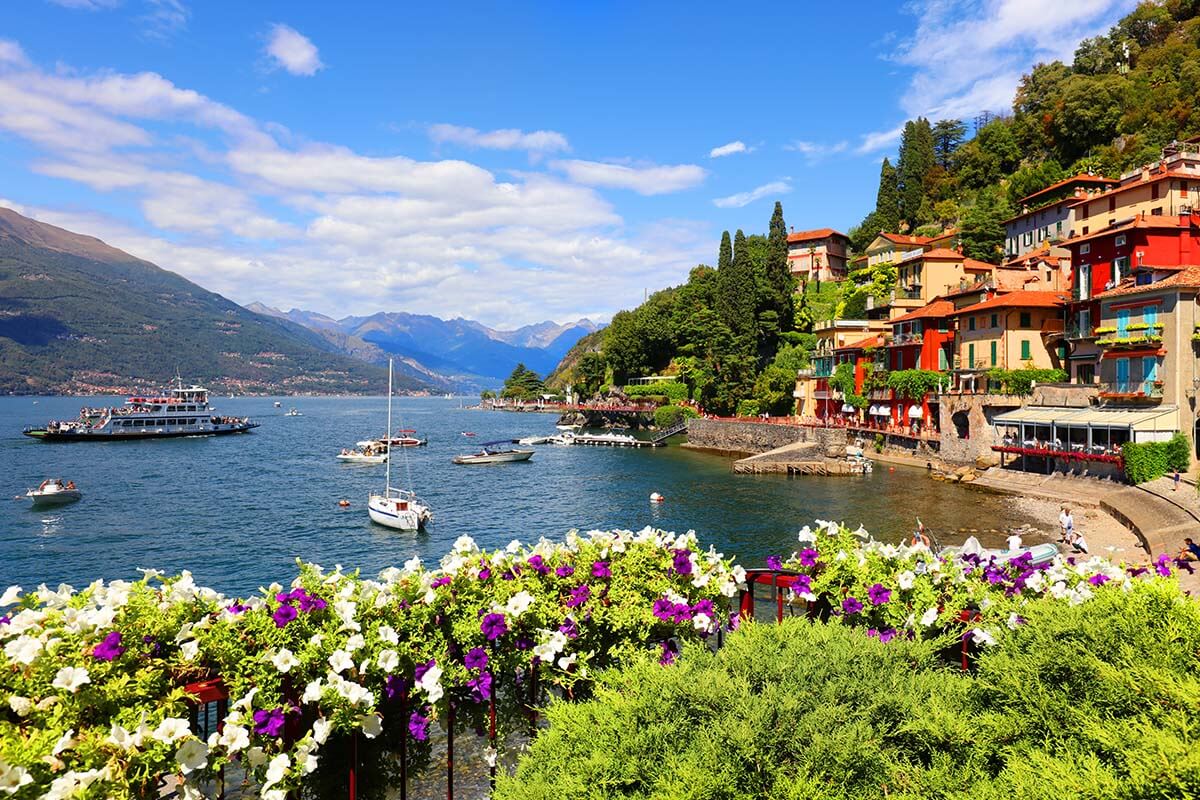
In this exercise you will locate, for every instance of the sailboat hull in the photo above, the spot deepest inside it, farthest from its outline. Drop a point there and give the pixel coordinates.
(396, 514)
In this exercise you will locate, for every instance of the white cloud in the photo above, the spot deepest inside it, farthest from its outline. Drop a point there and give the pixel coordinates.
(163, 18)
(967, 57)
(737, 146)
(293, 51)
(11, 53)
(871, 142)
(746, 198)
(253, 211)
(646, 180)
(503, 139)
(87, 5)
(815, 151)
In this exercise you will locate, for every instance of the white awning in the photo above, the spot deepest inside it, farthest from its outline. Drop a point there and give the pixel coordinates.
(915, 412)
(848, 409)
(874, 411)
(1152, 419)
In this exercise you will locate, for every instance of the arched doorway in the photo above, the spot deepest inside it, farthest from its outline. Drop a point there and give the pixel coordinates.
(962, 424)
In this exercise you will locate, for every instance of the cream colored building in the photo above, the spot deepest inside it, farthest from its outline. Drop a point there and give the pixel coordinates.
(1008, 331)
(1169, 187)
(818, 255)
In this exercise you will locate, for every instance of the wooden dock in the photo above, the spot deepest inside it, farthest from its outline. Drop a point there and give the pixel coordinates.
(824, 467)
(604, 441)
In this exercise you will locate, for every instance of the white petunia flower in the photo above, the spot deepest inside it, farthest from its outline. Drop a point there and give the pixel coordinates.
(568, 661)
(71, 678)
(13, 777)
(372, 725)
(189, 650)
(388, 660)
(11, 595)
(312, 692)
(340, 661)
(276, 770)
(430, 682)
(388, 634)
(284, 660)
(518, 604)
(172, 729)
(234, 738)
(192, 755)
(320, 730)
(905, 580)
(355, 642)
(702, 623)
(256, 757)
(980, 636)
(929, 617)
(21, 706)
(806, 535)
(23, 650)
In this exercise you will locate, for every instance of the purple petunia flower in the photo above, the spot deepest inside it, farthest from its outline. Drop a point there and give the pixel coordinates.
(851, 605)
(878, 594)
(493, 626)
(683, 562)
(1136, 571)
(682, 613)
(269, 723)
(539, 565)
(418, 726)
(523, 643)
(704, 606)
(600, 569)
(774, 562)
(283, 615)
(421, 669)
(664, 609)
(108, 649)
(569, 628)
(565, 571)
(887, 636)
(1161, 567)
(236, 608)
(442, 581)
(579, 595)
(5, 619)
(669, 651)
(735, 621)
(393, 686)
(309, 603)
(481, 686)
(808, 557)
(508, 575)
(485, 573)
(803, 584)
(1099, 579)
(476, 658)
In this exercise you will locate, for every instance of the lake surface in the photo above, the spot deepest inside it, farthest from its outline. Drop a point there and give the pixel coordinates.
(238, 510)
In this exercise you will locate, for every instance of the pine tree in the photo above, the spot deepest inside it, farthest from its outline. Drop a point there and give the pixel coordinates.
(725, 257)
(887, 200)
(948, 134)
(917, 157)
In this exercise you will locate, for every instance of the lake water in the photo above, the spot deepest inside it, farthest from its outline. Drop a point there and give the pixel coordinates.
(238, 510)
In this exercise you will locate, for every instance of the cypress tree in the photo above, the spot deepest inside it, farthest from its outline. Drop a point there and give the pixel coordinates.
(948, 134)
(917, 157)
(780, 281)
(887, 200)
(725, 257)
(736, 293)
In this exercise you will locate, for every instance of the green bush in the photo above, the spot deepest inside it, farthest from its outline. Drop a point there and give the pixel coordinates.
(1146, 461)
(748, 408)
(672, 390)
(666, 416)
(1020, 381)
(914, 384)
(879, 442)
(1093, 700)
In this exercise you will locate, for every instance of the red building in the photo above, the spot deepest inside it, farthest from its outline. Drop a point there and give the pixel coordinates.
(1132, 251)
(923, 339)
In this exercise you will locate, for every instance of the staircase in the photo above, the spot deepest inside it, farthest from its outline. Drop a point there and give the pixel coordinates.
(663, 435)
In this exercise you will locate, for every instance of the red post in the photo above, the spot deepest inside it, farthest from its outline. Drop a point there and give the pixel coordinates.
(746, 610)
(778, 598)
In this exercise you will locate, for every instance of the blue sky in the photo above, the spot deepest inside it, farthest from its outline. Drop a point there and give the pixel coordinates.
(507, 163)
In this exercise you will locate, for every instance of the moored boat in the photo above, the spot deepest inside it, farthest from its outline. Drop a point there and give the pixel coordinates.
(184, 411)
(491, 453)
(406, 440)
(400, 509)
(362, 457)
(53, 492)
(293, 413)
(1042, 553)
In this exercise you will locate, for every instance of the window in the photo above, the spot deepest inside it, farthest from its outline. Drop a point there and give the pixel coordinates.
(943, 362)
(1058, 228)
(993, 353)
(1149, 371)
(971, 356)
(1122, 374)
(995, 321)
(1156, 212)
(1083, 211)
(1120, 240)
(1085, 281)
(971, 325)
(1084, 233)
(943, 325)
(1026, 353)
(1085, 374)
(1120, 268)
(1086, 247)
(1154, 191)
(1085, 321)
(1122, 322)
(1028, 237)
(1026, 319)
(1150, 315)
(1183, 189)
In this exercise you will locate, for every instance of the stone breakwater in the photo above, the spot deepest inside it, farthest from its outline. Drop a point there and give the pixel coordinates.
(748, 438)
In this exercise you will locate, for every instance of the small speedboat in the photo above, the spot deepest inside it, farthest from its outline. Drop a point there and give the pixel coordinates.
(406, 440)
(293, 413)
(534, 440)
(562, 438)
(53, 492)
(278, 404)
(1042, 553)
(362, 457)
(492, 454)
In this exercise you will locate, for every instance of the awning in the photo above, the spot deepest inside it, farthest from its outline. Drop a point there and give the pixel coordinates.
(915, 412)
(848, 409)
(881, 411)
(1161, 419)
(874, 410)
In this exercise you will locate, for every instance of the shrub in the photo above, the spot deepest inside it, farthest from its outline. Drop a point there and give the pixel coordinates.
(879, 442)
(913, 384)
(1020, 381)
(748, 408)
(672, 390)
(666, 416)
(1145, 461)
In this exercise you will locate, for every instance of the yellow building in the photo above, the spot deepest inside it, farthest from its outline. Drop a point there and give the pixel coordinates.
(923, 275)
(1008, 331)
(1167, 188)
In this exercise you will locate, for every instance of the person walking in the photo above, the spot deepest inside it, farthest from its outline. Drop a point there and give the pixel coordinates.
(1062, 523)
(1176, 479)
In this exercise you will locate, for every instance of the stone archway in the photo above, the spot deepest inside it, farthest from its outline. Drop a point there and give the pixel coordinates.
(962, 424)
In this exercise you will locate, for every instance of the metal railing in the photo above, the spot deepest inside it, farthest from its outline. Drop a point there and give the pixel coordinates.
(1131, 388)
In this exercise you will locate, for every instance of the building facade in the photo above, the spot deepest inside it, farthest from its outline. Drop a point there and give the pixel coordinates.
(818, 255)
(1047, 216)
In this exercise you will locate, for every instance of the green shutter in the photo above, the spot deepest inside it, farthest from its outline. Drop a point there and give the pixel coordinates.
(1025, 354)
(993, 354)
(971, 355)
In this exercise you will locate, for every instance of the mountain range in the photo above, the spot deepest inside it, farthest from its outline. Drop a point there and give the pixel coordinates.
(459, 351)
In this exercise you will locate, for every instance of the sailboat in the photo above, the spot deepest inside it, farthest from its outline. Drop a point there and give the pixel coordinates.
(396, 508)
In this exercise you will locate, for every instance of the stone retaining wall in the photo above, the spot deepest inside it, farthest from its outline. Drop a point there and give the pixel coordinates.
(759, 437)
(972, 443)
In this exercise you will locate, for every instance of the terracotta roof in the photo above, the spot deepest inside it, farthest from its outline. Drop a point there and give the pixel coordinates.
(977, 286)
(899, 238)
(861, 344)
(1188, 277)
(1140, 221)
(935, 308)
(973, 265)
(1039, 252)
(1082, 177)
(819, 233)
(942, 254)
(1155, 177)
(1019, 299)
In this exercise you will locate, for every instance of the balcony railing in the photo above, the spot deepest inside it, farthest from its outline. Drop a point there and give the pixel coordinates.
(906, 338)
(1132, 390)
(1076, 331)
(1117, 341)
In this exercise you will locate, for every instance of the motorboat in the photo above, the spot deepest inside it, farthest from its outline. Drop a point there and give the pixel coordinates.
(404, 440)
(396, 508)
(1042, 553)
(491, 453)
(562, 438)
(53, 492)
(528, 440)
(291, 412)
(278, 404)
(362, 457)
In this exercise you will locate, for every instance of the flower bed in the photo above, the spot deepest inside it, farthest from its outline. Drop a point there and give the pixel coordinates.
(93, 677)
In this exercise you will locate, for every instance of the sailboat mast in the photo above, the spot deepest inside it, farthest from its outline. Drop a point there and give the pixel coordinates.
(388, 437)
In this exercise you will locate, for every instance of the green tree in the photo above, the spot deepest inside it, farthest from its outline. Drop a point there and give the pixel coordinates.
(522, 384)
(948, 135)
(589, 374)
(737, 293)
(917, 157)
(887, 199)
(725, 254)
(982, 235)
(1033, 178)
(780, 283)
(773, 390)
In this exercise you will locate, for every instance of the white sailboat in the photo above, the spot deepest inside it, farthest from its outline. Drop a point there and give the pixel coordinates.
(396, 508)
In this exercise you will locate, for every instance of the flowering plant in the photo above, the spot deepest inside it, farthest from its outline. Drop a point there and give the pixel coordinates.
(94, 678)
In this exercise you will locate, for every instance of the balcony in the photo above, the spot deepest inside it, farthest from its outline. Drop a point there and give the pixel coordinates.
(905, 338)
(913, 293)
(1130, 339)
(1132, 391)
(1075, 332)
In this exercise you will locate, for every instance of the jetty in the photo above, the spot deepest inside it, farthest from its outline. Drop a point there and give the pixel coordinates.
(800, 458)
(615, 440)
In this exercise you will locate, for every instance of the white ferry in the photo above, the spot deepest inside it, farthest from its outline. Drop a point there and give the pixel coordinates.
(185, 412)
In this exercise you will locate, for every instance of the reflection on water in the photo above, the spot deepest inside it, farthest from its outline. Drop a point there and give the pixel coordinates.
(239, 510)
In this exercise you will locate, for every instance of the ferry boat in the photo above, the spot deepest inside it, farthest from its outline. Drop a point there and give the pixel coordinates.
(183, 412)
